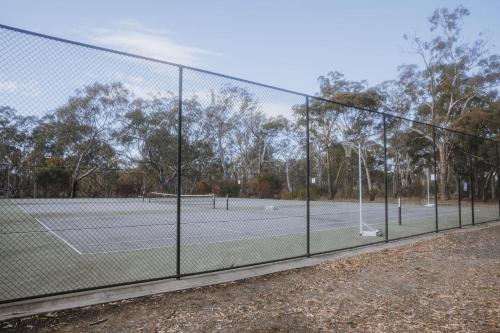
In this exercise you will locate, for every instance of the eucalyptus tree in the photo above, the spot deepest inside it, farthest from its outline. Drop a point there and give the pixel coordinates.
(221, 120)
(15, 136)
(148, 137)
(334, 125)
(454, 78)
(81, 131)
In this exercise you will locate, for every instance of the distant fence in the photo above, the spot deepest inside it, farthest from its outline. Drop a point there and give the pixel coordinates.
(117, 169)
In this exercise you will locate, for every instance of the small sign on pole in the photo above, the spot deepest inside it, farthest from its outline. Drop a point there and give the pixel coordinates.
(313, 180)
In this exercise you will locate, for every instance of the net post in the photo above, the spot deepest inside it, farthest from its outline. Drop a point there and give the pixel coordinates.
(213, 198)
(179, 182)
(399, 211)
(434, 167)
(308, 175)
(386, 184)
(227, 201)
(472, 185)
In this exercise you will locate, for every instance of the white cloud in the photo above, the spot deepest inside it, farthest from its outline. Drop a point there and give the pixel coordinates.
(132, 36)
(276, 109)
(23, 88)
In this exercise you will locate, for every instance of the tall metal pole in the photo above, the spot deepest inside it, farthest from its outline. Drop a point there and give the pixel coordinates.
(459, 188)
(308, 172)
(360, 187)
(498, 176)
(436, 189)
(8, 181)
(34, 182)
(179, 182)
(472, 185)
(386, 186)
(429, 187)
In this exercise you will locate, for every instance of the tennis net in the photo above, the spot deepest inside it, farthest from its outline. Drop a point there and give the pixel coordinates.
(186, 199)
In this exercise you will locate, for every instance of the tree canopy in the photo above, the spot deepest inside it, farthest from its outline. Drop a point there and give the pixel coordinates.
(237, 140)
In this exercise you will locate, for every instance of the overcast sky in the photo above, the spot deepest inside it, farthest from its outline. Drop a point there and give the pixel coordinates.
(283, 43)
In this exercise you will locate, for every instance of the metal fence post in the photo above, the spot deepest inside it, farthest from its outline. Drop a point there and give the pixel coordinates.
(308, 172)
(472, 185)
(436, 189)
(34, 182)
(498, 176)
(8, 181)
(386, 185)
(179, 182)
(459, 188)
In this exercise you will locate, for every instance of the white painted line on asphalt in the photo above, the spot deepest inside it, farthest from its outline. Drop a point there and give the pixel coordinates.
(52, 232)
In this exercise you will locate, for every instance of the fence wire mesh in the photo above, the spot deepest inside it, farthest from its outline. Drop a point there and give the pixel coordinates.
(347, 177)
(116, 169)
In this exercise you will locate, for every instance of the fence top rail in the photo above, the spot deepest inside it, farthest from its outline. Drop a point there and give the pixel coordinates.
(137, 56)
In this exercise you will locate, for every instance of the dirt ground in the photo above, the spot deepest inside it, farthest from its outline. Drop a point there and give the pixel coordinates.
(450, 283)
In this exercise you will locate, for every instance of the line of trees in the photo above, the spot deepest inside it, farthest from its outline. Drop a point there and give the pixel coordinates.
(104, 141)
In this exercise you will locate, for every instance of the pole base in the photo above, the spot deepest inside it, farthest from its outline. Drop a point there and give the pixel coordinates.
(371, 233)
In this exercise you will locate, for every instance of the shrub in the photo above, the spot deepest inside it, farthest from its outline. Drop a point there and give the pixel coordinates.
(228, 187)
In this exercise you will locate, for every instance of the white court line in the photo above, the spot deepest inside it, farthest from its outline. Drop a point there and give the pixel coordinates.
(52, 232)
(225, 229)
(156, 239)
(333, 227)
(212, 242)
(330, 226)
(131, 241)
(347, 225)
(196, 243)
(149, 240)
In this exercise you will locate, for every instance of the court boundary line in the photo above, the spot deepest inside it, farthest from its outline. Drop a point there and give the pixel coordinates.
(51, 231)
(208, 243)
(216, 242)
(346, 225)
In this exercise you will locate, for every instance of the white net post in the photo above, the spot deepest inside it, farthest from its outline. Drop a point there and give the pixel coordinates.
(429, 178)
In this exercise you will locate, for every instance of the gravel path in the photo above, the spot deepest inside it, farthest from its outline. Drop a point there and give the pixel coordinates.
(450, 283)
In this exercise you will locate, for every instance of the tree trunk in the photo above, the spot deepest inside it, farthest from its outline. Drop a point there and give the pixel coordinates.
(144, 182)
(371, 193)
(485, 186)
(443, 172)
(288, 184)
(261, 158)
(320, 170)
(221, 156)
(74, 188)
(395, 176)
(336, 182)
(329, 171)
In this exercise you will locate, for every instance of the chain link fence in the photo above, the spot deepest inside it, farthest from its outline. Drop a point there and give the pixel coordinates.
(117, 169)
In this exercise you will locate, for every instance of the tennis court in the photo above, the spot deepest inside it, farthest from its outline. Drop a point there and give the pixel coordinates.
(49, 245)
(90, 226)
